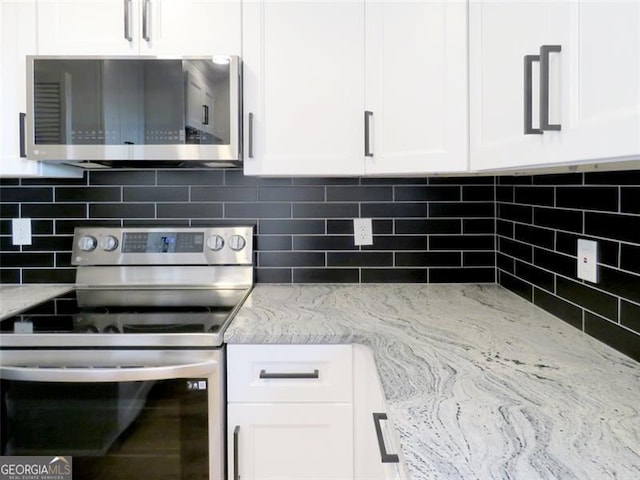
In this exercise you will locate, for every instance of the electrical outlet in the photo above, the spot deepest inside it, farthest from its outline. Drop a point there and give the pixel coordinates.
(362, 231)
(588, 260)
(21, 231)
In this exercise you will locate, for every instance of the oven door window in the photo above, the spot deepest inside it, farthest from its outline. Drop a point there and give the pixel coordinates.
(144, 429)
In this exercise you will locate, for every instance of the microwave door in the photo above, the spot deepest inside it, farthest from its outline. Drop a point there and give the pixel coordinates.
(109, 110)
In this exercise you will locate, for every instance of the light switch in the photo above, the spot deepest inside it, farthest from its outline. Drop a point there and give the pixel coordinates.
(588, 260)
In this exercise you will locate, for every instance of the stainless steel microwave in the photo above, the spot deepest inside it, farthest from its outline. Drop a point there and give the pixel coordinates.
(134, 111)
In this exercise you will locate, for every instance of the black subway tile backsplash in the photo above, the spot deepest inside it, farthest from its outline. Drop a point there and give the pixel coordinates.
(613, 335)
(601, 206)
(322, 275)
(428, 193)
(630, 315)
(630, 258)
(534, 195)
(625, 228)
(630, 200)
(588, 198)
(522, 229)
(569, 220)
(541, 237)
(588, 297)
(394, 275)
(562, 309)
(359, 194)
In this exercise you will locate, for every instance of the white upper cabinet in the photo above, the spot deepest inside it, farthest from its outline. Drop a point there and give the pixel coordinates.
(416, 87)
(303, 88)
(17, 26)
(132, 27)
(600, 68)
(553, 83)
(501, 34)
(353, 88)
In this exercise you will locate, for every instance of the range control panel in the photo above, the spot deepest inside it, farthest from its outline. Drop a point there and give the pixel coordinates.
(228, 245)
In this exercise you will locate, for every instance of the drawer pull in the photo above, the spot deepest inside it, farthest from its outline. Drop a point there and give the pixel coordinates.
(280, 376)
(386, 457)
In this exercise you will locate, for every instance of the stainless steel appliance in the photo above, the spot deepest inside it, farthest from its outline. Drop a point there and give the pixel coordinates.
(126, 373)
(94, 112)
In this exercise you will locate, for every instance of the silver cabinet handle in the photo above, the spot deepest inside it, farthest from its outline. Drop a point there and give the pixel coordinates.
(280, 376)
(205, 114)
(95, 375)
(250, 134)
(367, 133)
(545, 50)
(236, 455)
(145, 20)
(22, 117)
(386, 457)
(127, 20)
(528, 95)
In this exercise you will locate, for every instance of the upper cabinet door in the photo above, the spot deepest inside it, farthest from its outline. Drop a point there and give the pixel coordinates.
(303, 88)
(501, 35)
(600, 64)
(146, 27)
(18, 30)
(97, 27)
(416, 86)
(190, 27)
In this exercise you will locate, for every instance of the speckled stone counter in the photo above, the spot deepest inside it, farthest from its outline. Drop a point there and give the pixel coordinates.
(480, 384)
(16, 298)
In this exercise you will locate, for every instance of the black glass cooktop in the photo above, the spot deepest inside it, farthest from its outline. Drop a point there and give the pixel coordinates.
(63, 315)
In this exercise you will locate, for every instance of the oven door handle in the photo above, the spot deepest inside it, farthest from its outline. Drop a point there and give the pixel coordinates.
(107, 374)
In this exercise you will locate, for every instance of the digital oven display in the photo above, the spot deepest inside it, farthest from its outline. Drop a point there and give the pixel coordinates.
(162, 242)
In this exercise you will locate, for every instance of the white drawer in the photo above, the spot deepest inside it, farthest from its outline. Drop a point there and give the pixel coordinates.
(289, 373)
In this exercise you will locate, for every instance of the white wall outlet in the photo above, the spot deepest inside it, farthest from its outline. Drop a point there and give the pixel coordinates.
(588, 260)
(21, 231)
(362, 231)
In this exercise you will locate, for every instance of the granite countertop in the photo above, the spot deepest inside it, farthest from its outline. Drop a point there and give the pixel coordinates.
(479, 383)
(16, 298)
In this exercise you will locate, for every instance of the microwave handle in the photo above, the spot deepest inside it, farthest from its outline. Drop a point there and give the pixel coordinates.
(100, 375)
(23, 148)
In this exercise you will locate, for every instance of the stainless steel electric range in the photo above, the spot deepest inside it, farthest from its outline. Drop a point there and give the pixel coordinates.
(125, 374)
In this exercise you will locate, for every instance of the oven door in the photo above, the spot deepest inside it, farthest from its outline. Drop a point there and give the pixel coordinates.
(118, 414)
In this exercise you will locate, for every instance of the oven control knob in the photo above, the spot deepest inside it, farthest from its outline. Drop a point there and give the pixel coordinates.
(87, 243)
(215, 243)
(237, 243)
(109, 243)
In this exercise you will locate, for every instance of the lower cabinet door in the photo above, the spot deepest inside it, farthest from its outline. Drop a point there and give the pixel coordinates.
(290, 441)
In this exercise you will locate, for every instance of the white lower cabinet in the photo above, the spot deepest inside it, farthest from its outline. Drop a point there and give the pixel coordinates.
(290, 441)
(377, 454)
(300, 412)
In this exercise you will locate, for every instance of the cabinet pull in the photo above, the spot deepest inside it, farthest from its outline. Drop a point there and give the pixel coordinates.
(250, 135)
(145, 21)
(280, 376)
(205, 114)
(127, 20)
(545, 50)
(236, 474)
(23, 148)
(386, 457)
(528, 95)
(367, 133)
